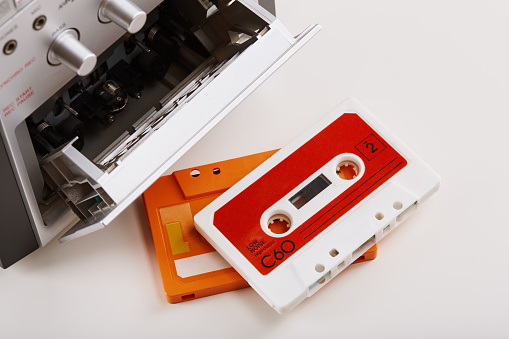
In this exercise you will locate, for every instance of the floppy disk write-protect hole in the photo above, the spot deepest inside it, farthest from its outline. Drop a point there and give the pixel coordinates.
(188, 297)
(279, 224)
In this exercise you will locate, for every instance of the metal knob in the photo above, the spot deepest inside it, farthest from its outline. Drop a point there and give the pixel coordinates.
(67, 49)
(124, 13)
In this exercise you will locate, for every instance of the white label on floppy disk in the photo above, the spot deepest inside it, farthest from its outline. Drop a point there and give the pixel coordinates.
(199, 264)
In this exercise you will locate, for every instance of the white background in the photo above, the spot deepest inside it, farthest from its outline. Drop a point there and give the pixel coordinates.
(437, 74)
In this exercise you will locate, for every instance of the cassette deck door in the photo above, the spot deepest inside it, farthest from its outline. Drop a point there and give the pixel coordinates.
(166, 144)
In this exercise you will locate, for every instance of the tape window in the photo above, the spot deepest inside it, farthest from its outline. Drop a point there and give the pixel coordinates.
(310, 191)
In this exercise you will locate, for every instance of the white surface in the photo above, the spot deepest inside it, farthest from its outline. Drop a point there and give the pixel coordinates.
(437, 74)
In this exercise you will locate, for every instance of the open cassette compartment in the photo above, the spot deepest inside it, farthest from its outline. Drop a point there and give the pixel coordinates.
(151, 98)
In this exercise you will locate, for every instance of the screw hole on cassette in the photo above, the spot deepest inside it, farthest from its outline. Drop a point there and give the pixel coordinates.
(216, 171)
(347, 170)
(319, 268)
(379, 216)
(279, 224)
(195, 173)
(334, 252)
(397, 205)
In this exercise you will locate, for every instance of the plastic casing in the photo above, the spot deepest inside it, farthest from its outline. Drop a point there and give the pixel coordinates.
(176, 198)
(296, 278)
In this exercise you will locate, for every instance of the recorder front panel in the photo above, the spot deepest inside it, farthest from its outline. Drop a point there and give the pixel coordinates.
(99, 98)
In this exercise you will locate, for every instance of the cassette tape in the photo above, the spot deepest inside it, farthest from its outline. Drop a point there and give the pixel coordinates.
(314, 207)
(190, 267)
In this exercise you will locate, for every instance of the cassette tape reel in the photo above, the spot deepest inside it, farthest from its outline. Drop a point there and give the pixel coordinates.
(190, 267)
(314, 207)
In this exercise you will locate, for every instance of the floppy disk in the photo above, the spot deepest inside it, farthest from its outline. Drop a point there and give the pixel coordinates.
(314, 207)
(190, 267)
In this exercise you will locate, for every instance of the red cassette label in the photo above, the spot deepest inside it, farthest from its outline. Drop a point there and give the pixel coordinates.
(239, 219)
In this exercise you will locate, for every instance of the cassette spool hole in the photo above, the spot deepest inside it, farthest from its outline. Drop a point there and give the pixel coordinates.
(347, 170)
(279, 224)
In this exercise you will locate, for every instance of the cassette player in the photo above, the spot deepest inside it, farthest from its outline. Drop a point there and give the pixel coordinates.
(314, 207)
(190, 267)
(98, 98)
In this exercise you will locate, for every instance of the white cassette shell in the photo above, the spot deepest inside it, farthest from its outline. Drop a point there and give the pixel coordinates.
(336, 247)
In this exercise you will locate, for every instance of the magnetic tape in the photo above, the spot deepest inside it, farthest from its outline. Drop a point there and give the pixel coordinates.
(314, 207)
(190, 267)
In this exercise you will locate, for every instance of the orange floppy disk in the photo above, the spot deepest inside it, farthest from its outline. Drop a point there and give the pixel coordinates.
(190, 267)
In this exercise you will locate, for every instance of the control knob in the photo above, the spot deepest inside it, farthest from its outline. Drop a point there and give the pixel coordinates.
(124, 13)
(68, 50)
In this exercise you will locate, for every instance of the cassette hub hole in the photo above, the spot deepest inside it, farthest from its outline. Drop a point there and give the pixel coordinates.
(397, 205)
(347, 170)
(319, 268)
(279, 224)
(195, 173)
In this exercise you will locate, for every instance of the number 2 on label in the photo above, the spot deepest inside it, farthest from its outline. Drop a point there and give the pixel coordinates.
(372, 147)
